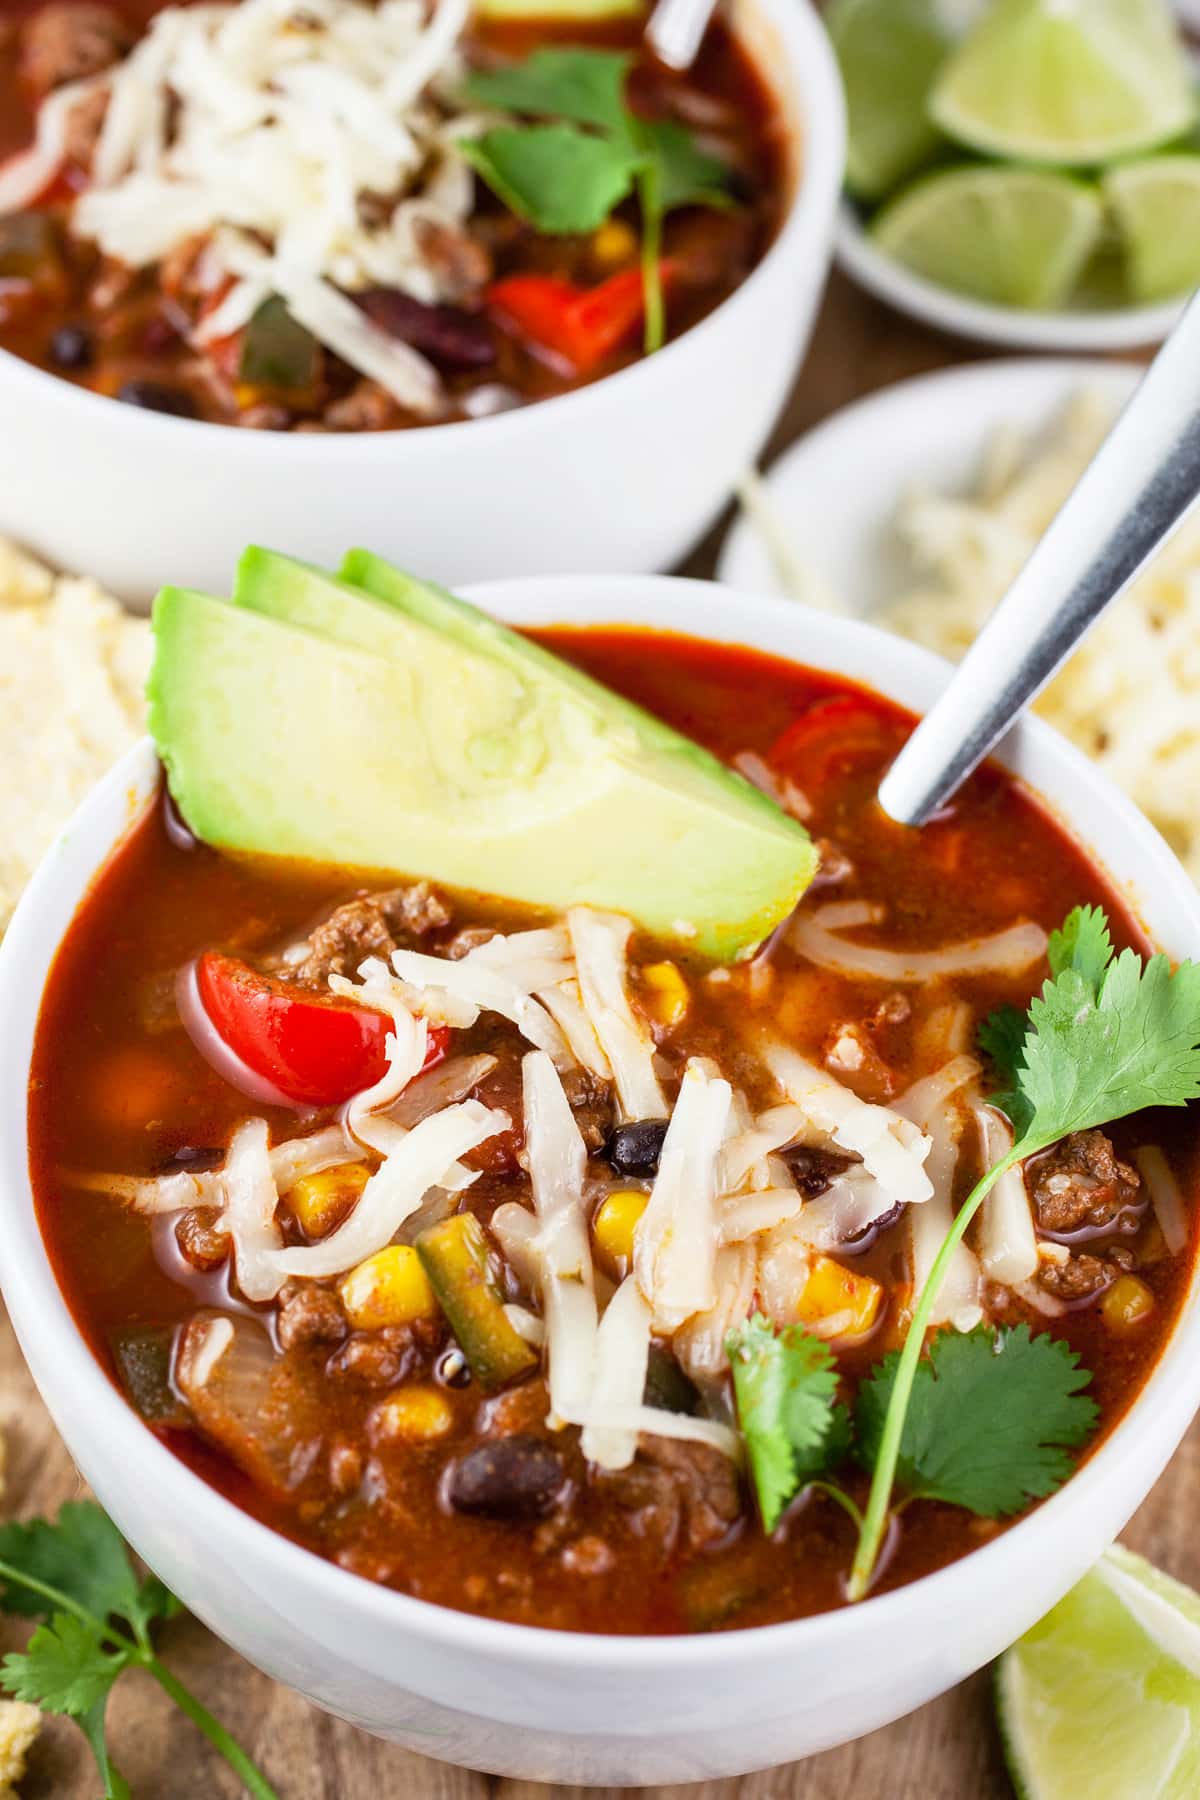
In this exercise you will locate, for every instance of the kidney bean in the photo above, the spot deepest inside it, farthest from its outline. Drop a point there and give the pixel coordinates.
(449, 336)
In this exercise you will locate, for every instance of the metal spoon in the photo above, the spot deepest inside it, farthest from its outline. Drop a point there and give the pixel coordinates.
(675, 30)
(1142, 481)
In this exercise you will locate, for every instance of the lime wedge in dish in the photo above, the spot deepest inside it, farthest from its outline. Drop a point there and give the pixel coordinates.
(1015, 237)
(1155, 204)
(1067, 81)
(889, 52)
(1102, 1698)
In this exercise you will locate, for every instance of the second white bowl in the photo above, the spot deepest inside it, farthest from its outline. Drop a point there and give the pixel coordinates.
(622, 475)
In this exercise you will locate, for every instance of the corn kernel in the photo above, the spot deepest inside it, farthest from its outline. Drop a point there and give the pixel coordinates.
(667, 997)
(1128, 1302)
(831, 1290)
(389, 1288)
(617, 1219)
(418, 1414)
(322, 1201)
(614, 243)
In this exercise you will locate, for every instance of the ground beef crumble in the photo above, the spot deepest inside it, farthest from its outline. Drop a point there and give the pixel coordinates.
(1081, 1182)
(369, 925)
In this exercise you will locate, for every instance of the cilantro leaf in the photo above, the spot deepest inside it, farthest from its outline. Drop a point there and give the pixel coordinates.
(1002, 1037)
(94, 1728)
(1093, 1055)
(77, 1573)
(1082, 943)
(786, 1386)
(586, 87)
(991, 1422)
(63, 1668)
(1106, 1037)
(82, 1556)
(687, 175)
(561, 179)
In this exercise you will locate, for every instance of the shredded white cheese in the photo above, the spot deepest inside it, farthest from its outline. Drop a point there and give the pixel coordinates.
(557, 1160)
(276, 130)
(600, 942)
(892, 1148)
(675, 1244)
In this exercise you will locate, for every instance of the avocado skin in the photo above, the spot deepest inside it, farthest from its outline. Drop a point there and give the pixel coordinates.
(316, 720)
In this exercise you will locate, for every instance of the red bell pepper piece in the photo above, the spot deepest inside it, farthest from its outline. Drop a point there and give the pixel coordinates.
(831, 733)
(316, 1052)
(580, 326)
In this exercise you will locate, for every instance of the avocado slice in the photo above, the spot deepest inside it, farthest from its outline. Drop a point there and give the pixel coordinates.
(320, 724)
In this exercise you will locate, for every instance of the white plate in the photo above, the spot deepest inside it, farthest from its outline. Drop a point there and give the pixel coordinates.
(1114, 328)
(833, 495)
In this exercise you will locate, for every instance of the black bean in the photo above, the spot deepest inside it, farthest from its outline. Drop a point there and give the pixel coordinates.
(634, 1149)
(448, 335)
(854, 1246)
(71, 347)
(157, 396)
(515, 1477)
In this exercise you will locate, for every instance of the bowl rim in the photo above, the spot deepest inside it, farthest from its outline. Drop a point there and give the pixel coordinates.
(991, 388)
(1159, 1414)
(1112, 328)
(811, 91)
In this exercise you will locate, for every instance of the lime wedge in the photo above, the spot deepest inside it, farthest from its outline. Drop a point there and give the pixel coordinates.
(1016, 237)
(1156, 206)
(1067, 81)
(889, 52)
(1099, 1700)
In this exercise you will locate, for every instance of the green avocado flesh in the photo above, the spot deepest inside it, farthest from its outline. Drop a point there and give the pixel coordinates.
(312, 720)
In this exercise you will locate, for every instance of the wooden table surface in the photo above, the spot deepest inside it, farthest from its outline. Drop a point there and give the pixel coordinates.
(948, 1751)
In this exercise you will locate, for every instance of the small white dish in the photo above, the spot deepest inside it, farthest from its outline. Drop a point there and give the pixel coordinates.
(569, 1706)
(833, 495)
(1108, 328)
(623, 475)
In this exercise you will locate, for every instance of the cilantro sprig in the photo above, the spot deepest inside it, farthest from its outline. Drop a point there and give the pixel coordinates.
(96, 1615)
(786, 1390)
(1107, 1036)
(569, 175)
(993, 1418)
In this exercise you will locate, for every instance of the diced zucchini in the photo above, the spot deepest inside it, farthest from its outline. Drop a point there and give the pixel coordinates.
(667, 1387)
(278, 353)
(29, 248)
(143, 1359)
(454, 1255)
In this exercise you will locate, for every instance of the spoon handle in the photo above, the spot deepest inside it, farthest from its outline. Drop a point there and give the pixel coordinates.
(1133, 494)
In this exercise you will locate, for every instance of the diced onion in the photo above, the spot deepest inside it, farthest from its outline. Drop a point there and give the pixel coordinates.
(441, 1086)
(1008, 1250)
(251, 1198)
(958, 1296)
(1165, 1196)
(1007, 951)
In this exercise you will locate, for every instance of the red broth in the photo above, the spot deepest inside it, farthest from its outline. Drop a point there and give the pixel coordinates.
(118, 1085)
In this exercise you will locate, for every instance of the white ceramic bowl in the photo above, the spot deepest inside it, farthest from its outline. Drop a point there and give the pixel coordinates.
(1098, 328)
(833, 495)
(623, 475)
(559, 1706)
